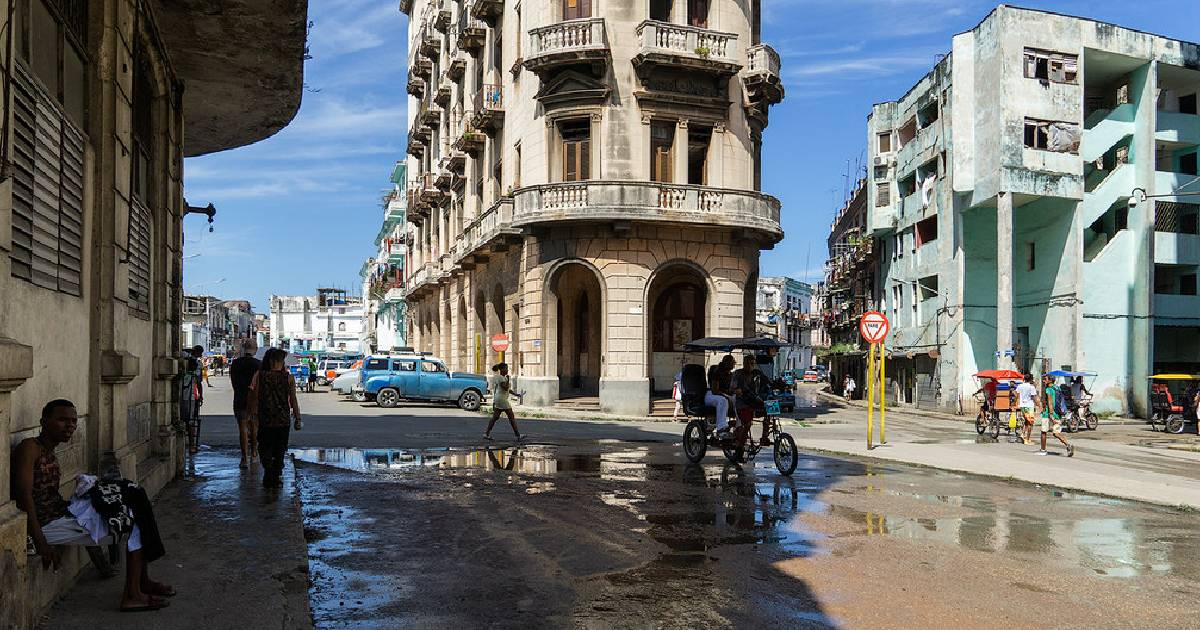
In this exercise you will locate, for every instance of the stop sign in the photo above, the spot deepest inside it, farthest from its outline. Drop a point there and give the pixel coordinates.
(500, 342)
(873, 326)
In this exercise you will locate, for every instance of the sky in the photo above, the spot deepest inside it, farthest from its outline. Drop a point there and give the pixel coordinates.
(301, 209)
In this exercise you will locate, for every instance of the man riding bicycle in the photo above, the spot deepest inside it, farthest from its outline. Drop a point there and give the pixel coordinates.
(748, 386)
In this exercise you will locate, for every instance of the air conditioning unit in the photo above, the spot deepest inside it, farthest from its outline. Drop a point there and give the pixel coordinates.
(880, 160)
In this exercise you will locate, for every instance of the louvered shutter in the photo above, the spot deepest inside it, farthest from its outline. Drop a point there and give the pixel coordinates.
(139, 258)
(48, 156)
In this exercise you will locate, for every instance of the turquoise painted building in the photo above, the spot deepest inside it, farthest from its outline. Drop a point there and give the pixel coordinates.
(1025, 200)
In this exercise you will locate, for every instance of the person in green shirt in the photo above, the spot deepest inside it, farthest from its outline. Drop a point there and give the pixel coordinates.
(1051, 421)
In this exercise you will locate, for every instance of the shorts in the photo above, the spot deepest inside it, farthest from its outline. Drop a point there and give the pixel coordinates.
(1028, 412)
(1051, 425)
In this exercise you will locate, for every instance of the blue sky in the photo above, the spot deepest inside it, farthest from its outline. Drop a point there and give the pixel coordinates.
(301, 209)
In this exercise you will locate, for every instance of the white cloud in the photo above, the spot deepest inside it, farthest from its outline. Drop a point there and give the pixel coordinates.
(861, 67)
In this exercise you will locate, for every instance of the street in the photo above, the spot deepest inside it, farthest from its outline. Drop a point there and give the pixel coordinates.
(412, 522)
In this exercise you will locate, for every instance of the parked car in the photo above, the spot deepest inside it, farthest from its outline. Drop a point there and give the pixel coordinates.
(346, 383)
(812, 376)
(390, 379)
(329, 369)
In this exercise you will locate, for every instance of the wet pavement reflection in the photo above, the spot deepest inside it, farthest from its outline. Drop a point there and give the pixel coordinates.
(703, 525)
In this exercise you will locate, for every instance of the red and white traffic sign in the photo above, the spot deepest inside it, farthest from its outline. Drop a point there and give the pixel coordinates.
(874, 326)
(500, 342)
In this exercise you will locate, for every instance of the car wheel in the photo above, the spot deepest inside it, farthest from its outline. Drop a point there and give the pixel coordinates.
(359, 396)
(469, 400)
(387, 398)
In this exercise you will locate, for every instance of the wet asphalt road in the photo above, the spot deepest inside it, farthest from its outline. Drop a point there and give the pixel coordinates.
(598, 526)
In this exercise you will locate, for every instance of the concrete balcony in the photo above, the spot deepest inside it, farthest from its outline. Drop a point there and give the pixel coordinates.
(469, 141)
(492, 231)
(607, 201)
(428, 43)
(472, 32)
(454, 162)
(394, 295)
(574, 42)
(442, 177)
(421, 67)
(430, 115)
(416, 85)
(423, 280)
(429, 190)
(488, 115)
(440, 18)
(1177, 128)
(688, 48)
(396, 254)
(416, 147)
(406, 7)
(1171, 248)
(456, 67)
(395, 209)
(487, 10)
(444, 91)
(1176, 310)
(762, 77)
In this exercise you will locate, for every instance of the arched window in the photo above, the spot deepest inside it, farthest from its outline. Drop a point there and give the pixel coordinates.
(678, 316)
(341, 326)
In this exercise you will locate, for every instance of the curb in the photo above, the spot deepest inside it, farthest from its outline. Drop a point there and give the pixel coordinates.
(837, 401)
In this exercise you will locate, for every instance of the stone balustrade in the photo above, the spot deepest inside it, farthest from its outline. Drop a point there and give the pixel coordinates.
(762, 60)
(689, 41)
(572, 36)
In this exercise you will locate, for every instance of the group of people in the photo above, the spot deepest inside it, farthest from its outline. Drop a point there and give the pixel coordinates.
(1049, 404)
(741, 391)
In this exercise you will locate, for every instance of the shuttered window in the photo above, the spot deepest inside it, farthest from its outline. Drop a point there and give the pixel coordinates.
(139, 259)
(48, 175)
(576, 146)
(140, 218)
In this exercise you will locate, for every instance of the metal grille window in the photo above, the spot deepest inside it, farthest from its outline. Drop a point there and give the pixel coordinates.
(47, 221)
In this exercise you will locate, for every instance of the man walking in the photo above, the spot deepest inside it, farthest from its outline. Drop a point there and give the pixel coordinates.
(192, 395)
(1027, 402)
(241, 374)
(1051, 419)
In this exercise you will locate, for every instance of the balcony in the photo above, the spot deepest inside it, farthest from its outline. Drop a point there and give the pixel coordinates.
(454, 162)
(430, 115)
(396, 254)
(422, 67)
(456, 67)
(419, 131)
(422, 279)
(472, 32)
(444, 91)
(441, 18)
(416, 85)
(489, 108)
(406, 7)
(469, 141)
(606, 201)
(442, 177)
(1176, 310)
(762, 79)
(430, 193)
(492, 231)
(395, 294)
(416, 147)
(428, 43)
(418, 208)
(574, 42)
(487, 10)
(687, 48)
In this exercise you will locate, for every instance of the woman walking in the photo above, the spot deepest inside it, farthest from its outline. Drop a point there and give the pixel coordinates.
(502, 386)
(273, 405)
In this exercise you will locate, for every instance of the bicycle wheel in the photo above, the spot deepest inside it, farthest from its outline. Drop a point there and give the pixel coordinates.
(981, 424)
(1174, 424)
(994, 429)
(695, 440)
(1073, 423)
(786, 455)
(1091, 420)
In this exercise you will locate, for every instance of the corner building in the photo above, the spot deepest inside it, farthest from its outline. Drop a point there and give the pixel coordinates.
(585, 180)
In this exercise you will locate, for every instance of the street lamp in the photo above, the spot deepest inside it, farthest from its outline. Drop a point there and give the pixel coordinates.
(1139, 195)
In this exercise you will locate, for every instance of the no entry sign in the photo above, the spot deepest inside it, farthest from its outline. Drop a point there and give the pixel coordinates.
(500, 342)
(873, 327)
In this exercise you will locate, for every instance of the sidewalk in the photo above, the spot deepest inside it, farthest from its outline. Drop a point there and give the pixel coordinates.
(236, 554)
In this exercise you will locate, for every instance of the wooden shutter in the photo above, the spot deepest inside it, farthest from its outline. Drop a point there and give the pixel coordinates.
(570, 161)
(139, 258)
(585, 159)
(48, 178)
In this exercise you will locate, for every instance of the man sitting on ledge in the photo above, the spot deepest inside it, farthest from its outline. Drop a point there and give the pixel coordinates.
(98, 509)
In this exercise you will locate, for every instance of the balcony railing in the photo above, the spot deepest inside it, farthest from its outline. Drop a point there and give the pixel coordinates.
(490, 224)
(762, 60)
(572, 37)
(489, 107)
(688, 41)
(648, 201)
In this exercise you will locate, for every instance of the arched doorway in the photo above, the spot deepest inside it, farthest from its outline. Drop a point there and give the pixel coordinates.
(677, 307)
(575, 330)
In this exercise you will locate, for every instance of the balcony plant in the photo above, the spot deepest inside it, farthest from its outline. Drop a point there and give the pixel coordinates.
(703, 51)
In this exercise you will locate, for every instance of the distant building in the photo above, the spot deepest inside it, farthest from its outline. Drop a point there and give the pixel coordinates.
(849, 288)
(384, 311)
(781, 308)
(330, 321)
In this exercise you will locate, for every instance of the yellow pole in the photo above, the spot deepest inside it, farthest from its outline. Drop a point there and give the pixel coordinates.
(882, 397)
(870, 387)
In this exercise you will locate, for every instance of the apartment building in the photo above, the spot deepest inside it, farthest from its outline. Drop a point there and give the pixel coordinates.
(330, 321)
(849, 289)
(383, 275)
(782, 308)
(104, 100)
(1024, 194)
(584, 180)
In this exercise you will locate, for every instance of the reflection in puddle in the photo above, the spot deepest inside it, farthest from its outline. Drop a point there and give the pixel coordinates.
(692, 509)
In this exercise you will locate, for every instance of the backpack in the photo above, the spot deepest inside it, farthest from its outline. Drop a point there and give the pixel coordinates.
(1061, 405)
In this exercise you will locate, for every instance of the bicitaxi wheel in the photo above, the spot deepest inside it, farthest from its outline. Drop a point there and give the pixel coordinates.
(786, 455)
(695, 440)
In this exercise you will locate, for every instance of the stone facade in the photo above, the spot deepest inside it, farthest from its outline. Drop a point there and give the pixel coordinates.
(585, 186)
(91, 203)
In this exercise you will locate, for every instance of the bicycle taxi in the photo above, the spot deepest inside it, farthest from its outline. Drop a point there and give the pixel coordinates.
(701, 429)
(993, 412)
(1079, 407)
(1172, 401)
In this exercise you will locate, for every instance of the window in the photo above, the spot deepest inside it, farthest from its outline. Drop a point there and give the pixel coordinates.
(662, 151)
(1050, 135)
(928, 114)
(497, 47)
(1050, 66)
(1031, 256)
(1187, 104)
(376, 364)
(517, 165)
(883, 142)
(660, 10)
(1187, 164)
(575, 9)
(576, 149)
(883, 194)
(698, 140)
(907, 132)
(430, 366)
(341, 326)
(928, 287)
(140, 216)
(1187, 284)
(698, 13)
(404, 366)
(678, 316)
(927, 231)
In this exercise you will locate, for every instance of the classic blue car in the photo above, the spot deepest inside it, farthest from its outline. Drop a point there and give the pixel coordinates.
(392, 378)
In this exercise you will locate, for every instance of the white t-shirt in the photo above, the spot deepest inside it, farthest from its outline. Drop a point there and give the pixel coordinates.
(1026, 393)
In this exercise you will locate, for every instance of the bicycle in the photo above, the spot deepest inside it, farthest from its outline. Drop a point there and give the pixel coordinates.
(987, 421)
(740, 447)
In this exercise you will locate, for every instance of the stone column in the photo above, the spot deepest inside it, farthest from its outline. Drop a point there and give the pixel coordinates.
(595, 146)
(680, 176)
(1142, 91)
(1004, 269)
(716, 157)
(16, 366)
